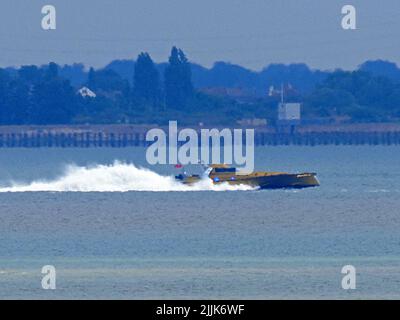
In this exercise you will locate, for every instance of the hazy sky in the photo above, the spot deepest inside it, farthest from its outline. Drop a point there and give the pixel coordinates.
(252, 33)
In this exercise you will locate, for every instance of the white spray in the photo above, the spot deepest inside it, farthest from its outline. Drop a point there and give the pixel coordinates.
(118, 177)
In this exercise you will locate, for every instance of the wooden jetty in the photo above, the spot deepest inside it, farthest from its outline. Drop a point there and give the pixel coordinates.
(119, 136)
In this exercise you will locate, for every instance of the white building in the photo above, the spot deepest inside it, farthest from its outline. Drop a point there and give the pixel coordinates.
(86, 92)
(289, 112)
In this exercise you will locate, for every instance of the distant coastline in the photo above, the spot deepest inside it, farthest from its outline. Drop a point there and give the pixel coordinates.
(141, 92)
(124, 135)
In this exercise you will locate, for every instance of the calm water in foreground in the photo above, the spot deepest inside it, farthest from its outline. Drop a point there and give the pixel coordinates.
(200, 244)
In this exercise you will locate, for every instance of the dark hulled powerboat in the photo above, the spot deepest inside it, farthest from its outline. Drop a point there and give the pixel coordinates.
(262, 180)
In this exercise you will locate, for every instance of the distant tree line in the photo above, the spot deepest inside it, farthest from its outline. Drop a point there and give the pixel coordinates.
(142, 91)
(36, 96)
(40, 95)
(358, 95)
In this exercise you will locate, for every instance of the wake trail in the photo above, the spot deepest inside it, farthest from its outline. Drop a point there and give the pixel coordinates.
(117, 177)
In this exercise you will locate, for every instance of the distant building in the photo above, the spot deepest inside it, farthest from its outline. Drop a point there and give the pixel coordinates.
(289, 116)
(86, 92)
(289, 112)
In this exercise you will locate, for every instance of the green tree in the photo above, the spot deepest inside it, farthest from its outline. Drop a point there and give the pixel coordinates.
(91, 79)
(146, 81)
(51, 71)
(178, 82)
(30, 74)
(4, 107)
(53, 99)
(106, 81)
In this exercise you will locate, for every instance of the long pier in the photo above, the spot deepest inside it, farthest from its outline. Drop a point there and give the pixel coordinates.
(119, 136)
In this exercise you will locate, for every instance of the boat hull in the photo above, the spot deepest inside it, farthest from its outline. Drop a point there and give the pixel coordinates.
(264, 180)
(279, 181)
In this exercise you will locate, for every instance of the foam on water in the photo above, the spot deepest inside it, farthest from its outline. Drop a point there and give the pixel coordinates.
(118, 177)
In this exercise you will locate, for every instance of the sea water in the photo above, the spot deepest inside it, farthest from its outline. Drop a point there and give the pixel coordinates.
(115, 227)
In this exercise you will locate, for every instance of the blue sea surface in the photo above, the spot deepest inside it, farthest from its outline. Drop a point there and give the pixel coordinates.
(269, 244)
